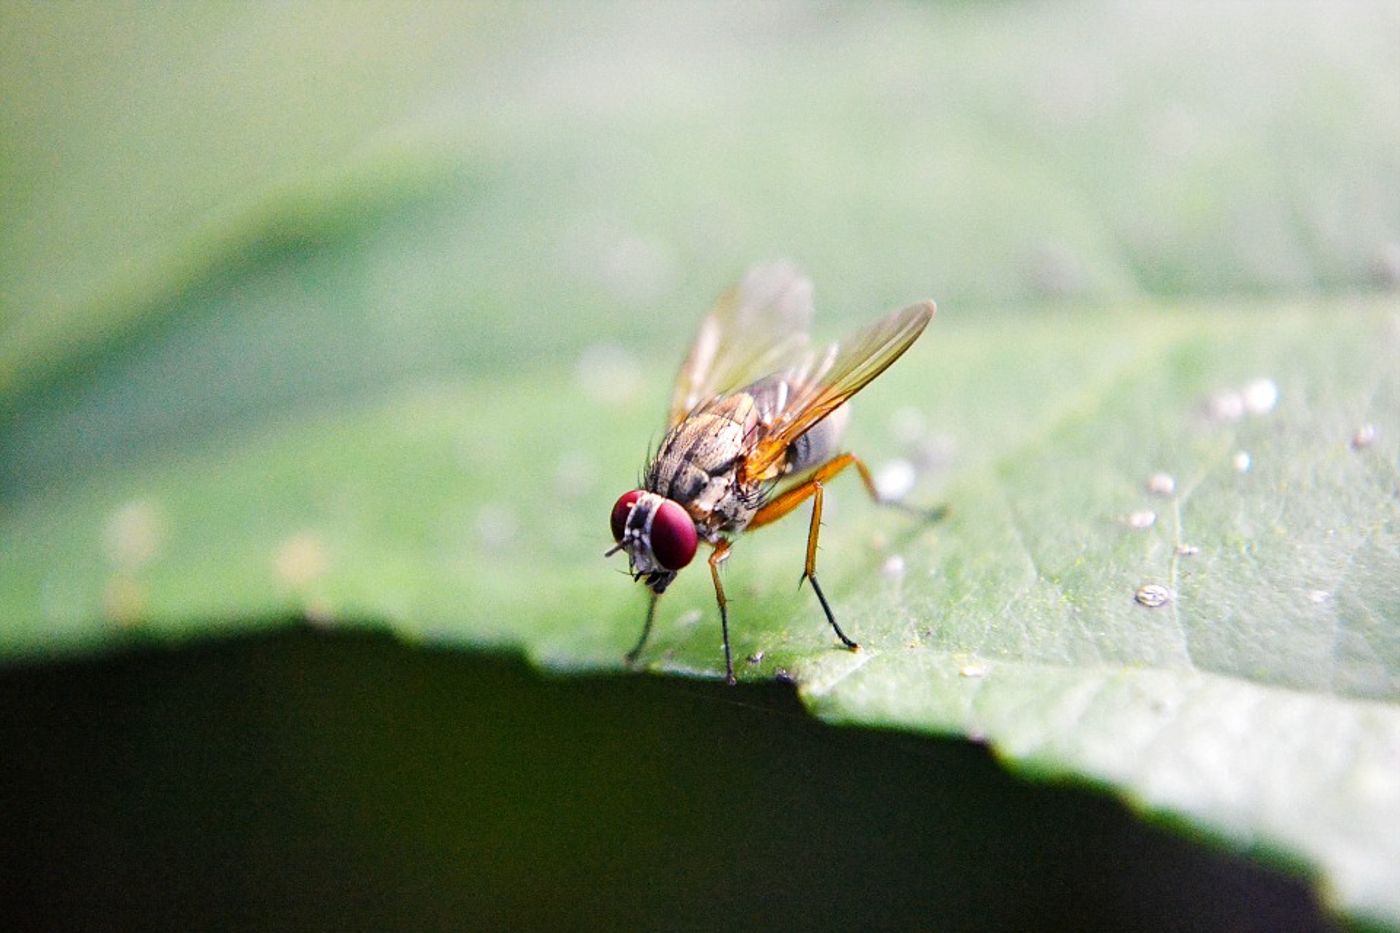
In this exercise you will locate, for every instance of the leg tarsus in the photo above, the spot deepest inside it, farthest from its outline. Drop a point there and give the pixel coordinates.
(934, 514)
(830, 617)
(632, 655)
(729, 677)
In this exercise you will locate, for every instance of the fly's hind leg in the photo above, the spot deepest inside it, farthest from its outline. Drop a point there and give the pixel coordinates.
(868, 481)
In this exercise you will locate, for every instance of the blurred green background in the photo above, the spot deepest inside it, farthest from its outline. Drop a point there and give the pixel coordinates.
(363, 314)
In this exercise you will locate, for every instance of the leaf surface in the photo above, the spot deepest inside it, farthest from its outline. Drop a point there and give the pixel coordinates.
(397, 375)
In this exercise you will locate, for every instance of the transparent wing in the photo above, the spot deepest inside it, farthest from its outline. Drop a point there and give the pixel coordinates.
(823, 381)
(756, 328)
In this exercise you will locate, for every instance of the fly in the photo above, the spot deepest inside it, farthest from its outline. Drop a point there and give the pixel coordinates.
(755, 428)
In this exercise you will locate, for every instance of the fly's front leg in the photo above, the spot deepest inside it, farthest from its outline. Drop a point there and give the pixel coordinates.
(646, 630)
(717, 557)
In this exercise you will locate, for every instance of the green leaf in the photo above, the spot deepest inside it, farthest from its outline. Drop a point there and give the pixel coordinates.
(398, 378)
(1258, 703)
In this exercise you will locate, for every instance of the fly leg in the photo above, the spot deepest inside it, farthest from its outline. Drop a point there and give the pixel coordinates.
(933, 514)
(794, 497)
(717, 557)
(812, 489)
(646, 630)
(809, 571)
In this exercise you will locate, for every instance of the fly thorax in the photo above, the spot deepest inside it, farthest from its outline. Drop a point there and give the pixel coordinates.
(714, 495)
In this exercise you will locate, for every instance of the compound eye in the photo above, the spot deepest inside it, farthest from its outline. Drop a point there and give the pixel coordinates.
(673, 537)
(620, 512)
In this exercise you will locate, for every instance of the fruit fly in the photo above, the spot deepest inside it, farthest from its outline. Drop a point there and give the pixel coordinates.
(755, 428)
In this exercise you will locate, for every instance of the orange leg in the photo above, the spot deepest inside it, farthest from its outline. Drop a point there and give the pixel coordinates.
(791, 499)
(717, 557)
(794, 497)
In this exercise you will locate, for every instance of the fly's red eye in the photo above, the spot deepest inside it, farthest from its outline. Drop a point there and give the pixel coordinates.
(620, 512)
(673, 537)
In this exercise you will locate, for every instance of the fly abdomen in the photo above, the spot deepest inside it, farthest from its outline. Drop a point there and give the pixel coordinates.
(820, 443)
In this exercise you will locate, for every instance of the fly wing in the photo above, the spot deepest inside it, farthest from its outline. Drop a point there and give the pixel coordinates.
(756, 328)
(823, 381)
